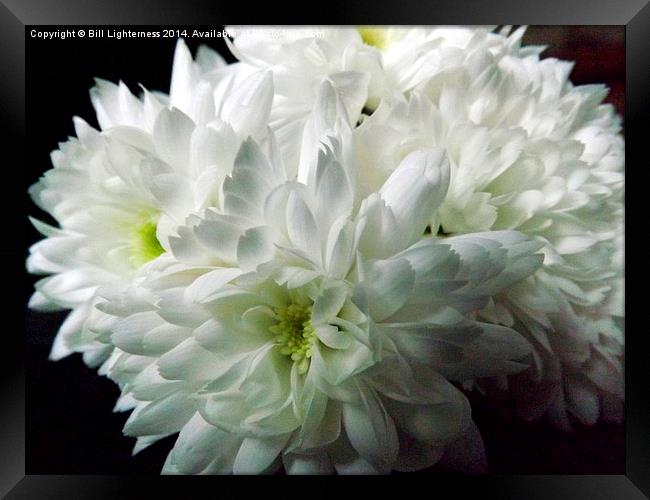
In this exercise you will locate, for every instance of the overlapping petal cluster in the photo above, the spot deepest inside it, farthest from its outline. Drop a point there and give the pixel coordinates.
(529, 151)
(117, 193)
(300, 259)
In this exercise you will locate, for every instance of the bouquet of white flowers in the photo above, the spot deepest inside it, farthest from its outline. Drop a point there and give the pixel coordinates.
(307, 258)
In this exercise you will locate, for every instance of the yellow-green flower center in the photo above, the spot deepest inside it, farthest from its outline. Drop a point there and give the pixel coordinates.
(144, 245)
(375, 37)
(295, 334)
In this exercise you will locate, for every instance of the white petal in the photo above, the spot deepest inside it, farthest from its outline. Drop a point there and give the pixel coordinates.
(199, 444)
(189, 361)
(371, 431)
(256, 455)
(183, 77)
(339, 251)
(316, 464)
(254, 248)
(164, 416)
(221, 236)
(499, 350)
(302, 228)
(71, 288)
(40, 302)
(339, 365)
(253, 178)
(352, 87)
(388, 284)
(172, 134)
(128, 334)
(328, 304)
(495, 260)
(328, 118)
(332, 337)
(332, 190)
(209, 283)
(114, 104)
(248, 106)
(144, 442)
(64, 342)
(208, 59)
(431, 424)
(376, 233)
(414, 190)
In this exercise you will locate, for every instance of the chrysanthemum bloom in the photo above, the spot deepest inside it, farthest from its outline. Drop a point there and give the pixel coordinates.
(364, 65)
(116, 193)
(291, 325)
(528, 151)
(531, 152)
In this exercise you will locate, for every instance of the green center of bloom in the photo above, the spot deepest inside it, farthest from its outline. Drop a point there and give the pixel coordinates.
(375, 37)
(144, 245)
(294, 333)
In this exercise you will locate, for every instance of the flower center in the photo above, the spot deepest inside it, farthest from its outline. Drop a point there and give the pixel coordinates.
(375, 37)
(144, 245)
(294, 333)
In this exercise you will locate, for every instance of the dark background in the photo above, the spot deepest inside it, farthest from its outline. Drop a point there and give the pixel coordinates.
(70, 426)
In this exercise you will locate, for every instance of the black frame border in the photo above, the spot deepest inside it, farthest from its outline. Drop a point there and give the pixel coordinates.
(15, 15)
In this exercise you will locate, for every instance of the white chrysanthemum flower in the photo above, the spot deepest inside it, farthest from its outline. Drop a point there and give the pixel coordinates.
(529, 152)
(291, 325)
(118, 192)
(364, 65)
